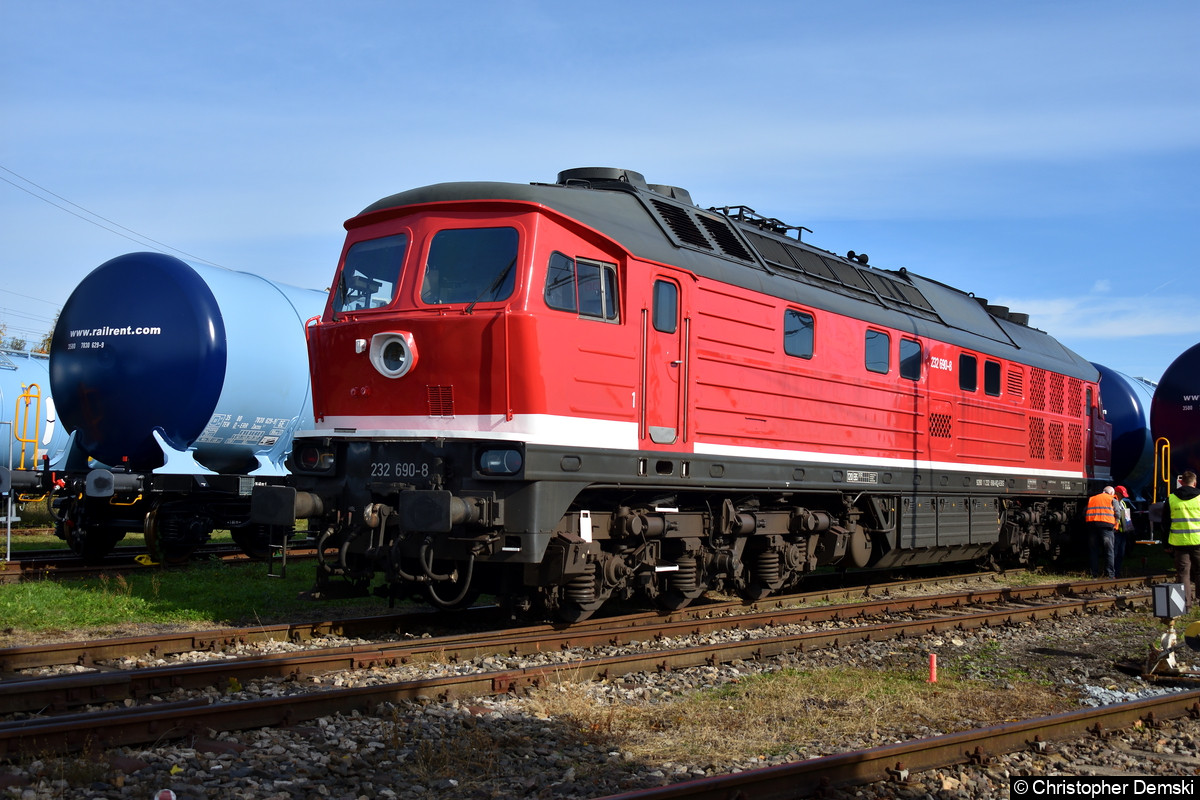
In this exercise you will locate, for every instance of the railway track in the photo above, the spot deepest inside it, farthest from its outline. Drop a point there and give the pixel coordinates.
(34, 565)
(423, 621)
(483, 663)
(896, 762)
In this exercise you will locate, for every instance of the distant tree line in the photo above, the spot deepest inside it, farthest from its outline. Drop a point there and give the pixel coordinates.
(15, 342)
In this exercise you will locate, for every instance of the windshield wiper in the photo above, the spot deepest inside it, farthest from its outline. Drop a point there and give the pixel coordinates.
(495, 284)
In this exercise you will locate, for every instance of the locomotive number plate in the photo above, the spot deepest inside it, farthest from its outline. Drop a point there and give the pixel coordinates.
(400, 470)
(853, 476)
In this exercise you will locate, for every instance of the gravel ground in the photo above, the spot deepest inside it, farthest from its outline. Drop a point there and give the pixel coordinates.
(506, 747)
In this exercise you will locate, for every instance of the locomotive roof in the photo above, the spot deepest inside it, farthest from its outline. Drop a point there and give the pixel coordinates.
(739, 247)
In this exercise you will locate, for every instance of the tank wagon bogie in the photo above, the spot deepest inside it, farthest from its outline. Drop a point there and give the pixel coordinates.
(593, 389)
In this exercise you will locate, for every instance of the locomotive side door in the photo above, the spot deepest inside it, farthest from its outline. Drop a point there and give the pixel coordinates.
(664, 366)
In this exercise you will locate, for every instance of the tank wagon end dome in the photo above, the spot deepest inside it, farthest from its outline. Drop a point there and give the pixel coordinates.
(1126, 403)
(1175, 410)
(139, 346)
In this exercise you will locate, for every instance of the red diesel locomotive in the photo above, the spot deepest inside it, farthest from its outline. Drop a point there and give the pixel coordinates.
(562, 393)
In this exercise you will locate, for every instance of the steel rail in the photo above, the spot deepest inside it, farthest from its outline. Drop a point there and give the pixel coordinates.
(421, 620)
(895, 762)
(106, 728)
(59, 693)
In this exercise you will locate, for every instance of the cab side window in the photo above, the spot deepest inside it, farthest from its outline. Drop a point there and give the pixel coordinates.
(588, 288)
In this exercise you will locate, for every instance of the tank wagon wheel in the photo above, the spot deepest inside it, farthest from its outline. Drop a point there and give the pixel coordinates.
(254, 541)
(91, 544)
(173, 555)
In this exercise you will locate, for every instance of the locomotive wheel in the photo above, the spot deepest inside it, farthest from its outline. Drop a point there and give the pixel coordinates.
(682, 586)
(571, 611)
(755, 592)
(672, 600)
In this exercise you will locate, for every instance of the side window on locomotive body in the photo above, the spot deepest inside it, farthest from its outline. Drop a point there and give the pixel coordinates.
(798, 333)
(470, 265)
(877, 352)
(588, 288)
(991, 378)
(370, 274)
(968, 373)
(910, 359)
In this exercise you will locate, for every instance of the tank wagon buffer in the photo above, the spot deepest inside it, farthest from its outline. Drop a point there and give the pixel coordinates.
(182, 386)
(564, 393)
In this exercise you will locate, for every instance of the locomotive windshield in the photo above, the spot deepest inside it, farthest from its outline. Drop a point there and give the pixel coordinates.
(470, 265)
(370, 274)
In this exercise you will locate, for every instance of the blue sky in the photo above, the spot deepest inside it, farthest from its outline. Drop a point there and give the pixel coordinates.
(1041, 154)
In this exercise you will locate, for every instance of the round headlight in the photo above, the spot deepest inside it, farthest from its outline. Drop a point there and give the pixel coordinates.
(393, 354)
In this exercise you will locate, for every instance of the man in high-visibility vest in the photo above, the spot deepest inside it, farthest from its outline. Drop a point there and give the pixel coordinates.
(1101, 521)
(1181, 518)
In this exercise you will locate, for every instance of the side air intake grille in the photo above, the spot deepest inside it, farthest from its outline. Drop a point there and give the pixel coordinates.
(1016, 383)
(1037, 437)
(1037, 390)
(940, 426)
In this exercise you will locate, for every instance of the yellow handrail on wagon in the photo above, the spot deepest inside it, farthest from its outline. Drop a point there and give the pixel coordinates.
(1162, 467)
(31, 395)
(1162, 473)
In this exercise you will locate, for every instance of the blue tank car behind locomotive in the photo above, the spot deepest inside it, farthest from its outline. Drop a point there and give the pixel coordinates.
(1127, 404)
(182, 386)
(1175, 414)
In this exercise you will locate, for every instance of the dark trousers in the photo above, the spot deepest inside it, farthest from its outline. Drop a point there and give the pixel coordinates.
(1103, 550)
(1187, 571)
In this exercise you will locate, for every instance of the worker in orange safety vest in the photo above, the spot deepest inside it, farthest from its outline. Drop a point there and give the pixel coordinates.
(1101, 521)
